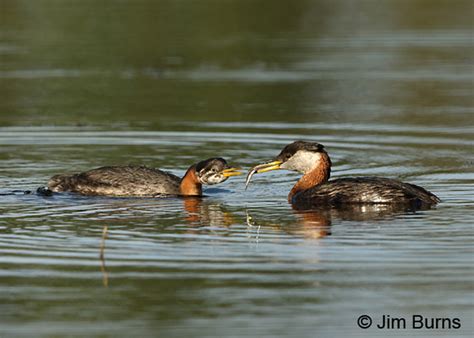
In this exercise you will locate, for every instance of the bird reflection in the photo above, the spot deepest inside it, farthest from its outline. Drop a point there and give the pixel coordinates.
(309, 224)
(363, 212)
(312, 223)
(202, 213)
(315, 223)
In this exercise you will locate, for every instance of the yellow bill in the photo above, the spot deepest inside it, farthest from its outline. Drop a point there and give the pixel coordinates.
(262, 168)
(231, 172)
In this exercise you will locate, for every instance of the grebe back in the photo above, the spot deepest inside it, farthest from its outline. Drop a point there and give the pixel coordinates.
(142, 181)
(310, 159)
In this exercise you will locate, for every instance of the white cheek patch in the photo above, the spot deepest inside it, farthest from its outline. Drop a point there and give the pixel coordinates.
(214, 179)
(302, 161)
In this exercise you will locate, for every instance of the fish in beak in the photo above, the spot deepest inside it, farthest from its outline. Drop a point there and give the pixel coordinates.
(261, 168)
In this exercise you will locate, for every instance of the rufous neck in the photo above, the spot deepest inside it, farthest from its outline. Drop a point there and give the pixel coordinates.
(316, 176)
(190, 185)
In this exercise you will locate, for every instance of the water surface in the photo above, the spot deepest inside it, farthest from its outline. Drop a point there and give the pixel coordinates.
(388, 90)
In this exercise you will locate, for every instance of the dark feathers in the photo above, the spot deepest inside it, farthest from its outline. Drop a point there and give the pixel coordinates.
(118, 181)
(370, 190)
(294, 147)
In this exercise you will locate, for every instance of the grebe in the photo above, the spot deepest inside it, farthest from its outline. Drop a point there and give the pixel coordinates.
(142, 181)
(313, 188)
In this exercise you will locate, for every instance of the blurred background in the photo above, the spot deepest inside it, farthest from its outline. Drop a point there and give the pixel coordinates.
(150, 63)
(385, 85)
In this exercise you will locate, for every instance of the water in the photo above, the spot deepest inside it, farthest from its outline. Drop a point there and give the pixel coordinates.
(388, 89)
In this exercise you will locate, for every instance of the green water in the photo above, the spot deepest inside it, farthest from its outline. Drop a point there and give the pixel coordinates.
(386, 86)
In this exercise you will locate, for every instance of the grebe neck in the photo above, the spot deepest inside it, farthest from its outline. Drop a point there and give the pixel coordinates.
(318, 175)
(190, 185)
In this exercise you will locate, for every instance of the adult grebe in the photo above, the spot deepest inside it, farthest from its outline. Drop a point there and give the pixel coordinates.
(142, 181)
(313, 188)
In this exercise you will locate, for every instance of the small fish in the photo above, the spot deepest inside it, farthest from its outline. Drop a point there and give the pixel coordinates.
(261, 168)
(249, 176)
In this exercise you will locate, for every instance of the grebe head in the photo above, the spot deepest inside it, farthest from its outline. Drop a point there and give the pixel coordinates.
(214, 171)
(300, 156)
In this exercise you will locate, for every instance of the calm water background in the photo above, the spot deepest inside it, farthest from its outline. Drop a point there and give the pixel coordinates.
(386, 86)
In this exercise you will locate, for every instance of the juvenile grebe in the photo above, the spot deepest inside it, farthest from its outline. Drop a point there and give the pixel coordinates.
(142, 181)
(313, 188)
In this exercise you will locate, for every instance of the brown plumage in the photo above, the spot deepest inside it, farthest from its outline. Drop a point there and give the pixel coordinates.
(314, 188)
(365, 190)
(142, 181)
